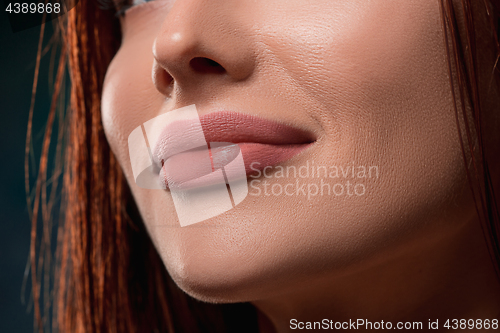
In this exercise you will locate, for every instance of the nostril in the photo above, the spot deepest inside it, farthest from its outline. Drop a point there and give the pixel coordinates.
(205, 65)
(164, 82)
(162, 79)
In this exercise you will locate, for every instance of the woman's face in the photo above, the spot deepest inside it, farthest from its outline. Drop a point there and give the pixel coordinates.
(365, 80)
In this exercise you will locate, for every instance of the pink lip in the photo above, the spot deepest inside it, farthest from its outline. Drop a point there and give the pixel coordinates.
(262, 142)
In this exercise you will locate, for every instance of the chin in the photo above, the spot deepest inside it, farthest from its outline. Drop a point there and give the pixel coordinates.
(217, 280)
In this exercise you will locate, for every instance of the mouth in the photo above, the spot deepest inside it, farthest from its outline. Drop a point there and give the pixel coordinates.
(187, 154)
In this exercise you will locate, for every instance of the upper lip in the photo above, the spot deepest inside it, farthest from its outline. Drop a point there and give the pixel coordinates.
(227, 126)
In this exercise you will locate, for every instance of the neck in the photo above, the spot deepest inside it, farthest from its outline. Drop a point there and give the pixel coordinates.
(451, 277)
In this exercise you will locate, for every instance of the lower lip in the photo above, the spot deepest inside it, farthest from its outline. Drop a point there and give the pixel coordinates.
(256, 157)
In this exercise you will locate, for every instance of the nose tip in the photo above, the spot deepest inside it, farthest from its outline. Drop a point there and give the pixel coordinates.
(181, 55)
(190, 50)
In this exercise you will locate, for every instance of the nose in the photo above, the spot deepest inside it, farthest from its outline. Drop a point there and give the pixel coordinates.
(201, 43)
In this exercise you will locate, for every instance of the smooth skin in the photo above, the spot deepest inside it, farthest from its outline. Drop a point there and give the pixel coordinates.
(369, 79)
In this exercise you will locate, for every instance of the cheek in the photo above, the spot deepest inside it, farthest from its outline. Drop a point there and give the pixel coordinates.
(378, 72)
(129, 97)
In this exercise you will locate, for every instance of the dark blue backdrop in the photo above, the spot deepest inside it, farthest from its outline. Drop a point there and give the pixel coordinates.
(17, 64)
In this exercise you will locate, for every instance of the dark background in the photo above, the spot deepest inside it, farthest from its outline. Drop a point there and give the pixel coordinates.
(17, 65)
